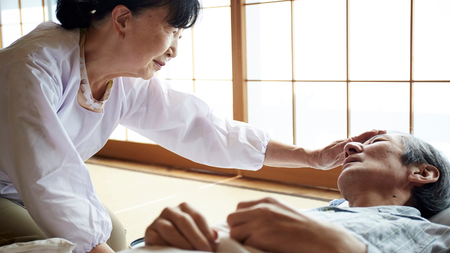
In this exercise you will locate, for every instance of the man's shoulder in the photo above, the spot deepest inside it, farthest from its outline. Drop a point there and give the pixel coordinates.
(388, 210)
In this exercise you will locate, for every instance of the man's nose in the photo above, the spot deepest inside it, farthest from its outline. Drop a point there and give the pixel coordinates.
(353, 148)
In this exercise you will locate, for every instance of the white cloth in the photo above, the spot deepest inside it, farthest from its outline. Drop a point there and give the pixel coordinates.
(46, 135)
(226, 245)
(52, 245)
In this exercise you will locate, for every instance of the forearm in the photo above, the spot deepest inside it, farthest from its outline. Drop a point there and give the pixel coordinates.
(102, 248)
(279, 154)
(283, 155)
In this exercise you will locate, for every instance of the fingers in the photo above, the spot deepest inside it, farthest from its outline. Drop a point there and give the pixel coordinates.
(267, 200)
(339, 145)
(153, 238)
(241, 223)
(239, 217)
(200, 221)
(162, 232)
(242, 233)
(182, 227)
(247, 204)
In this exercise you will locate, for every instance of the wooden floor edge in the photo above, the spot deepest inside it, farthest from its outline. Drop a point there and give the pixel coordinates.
(317, 193)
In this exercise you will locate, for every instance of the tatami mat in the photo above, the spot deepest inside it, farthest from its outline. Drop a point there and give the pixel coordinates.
(137, 198)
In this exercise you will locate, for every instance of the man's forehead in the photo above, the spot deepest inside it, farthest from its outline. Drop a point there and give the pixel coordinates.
(392, 137)
(374, 137)
(387, 136)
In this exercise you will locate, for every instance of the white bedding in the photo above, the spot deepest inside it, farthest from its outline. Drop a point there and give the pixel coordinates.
(53, 245)
(225, 245)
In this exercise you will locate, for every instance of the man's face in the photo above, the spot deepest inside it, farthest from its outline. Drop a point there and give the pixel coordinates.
(373, 166)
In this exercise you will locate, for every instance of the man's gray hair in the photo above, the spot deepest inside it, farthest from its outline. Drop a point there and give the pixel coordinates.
(434, 197)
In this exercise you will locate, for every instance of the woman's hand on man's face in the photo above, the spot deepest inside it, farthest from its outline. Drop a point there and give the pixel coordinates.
(182, 227)
(332, 155)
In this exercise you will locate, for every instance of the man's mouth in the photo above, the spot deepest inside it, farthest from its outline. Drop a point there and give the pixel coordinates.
(350, 159)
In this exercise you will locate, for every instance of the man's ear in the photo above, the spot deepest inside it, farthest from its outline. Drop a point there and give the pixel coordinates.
(120, 18)
(423, 174)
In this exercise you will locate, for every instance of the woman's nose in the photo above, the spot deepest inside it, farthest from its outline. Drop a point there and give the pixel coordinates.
(172, 51)
(353, 148)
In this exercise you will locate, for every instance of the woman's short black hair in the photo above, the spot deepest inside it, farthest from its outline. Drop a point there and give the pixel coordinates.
(81, 13)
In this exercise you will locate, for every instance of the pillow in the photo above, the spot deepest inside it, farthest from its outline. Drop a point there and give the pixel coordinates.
(442, 218)
(53, 245)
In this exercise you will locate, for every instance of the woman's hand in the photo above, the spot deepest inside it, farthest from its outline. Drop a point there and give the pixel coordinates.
(182, 227)
(272, 226)
(279, 154)
(332, 155)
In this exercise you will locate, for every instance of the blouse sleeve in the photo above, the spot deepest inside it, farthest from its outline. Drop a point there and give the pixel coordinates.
(43, 164)
(184, 124)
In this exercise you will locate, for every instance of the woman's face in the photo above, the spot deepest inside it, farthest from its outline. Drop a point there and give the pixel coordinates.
(150, 43)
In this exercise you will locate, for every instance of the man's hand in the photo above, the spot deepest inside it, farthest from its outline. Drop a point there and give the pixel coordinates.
(272, 226)
(332, 155)
(182, 227)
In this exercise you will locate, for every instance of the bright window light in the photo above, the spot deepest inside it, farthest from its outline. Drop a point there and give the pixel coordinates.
(379, 39)
(432, 114)
(212, 45)
(432, 40)
(270, 108)
(269, 55)
(320, 113)
(379, 106)
(320, 40)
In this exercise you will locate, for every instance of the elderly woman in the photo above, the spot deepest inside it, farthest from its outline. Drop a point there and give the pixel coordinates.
(390, 181)
(65, 88)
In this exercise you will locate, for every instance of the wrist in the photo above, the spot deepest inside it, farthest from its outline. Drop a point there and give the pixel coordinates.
(312, 158)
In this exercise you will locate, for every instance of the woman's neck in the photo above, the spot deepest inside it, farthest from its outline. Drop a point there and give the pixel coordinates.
(102, 59)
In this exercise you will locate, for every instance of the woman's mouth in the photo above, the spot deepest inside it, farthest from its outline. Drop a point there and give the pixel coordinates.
(159, 64)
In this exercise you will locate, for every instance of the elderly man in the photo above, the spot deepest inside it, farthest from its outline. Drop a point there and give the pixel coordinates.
(391, 182)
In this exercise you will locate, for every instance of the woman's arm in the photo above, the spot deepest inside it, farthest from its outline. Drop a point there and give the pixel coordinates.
(43, 163)
(187, 126)
(279, 154)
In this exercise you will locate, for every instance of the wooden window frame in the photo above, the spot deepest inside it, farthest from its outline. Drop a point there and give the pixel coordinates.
(44, 6)
(155, 154)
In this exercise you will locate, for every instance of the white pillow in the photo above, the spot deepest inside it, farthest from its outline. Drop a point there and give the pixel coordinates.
(53, 245)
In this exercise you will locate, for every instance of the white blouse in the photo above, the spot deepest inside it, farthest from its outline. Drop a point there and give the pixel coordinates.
(46, 135)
